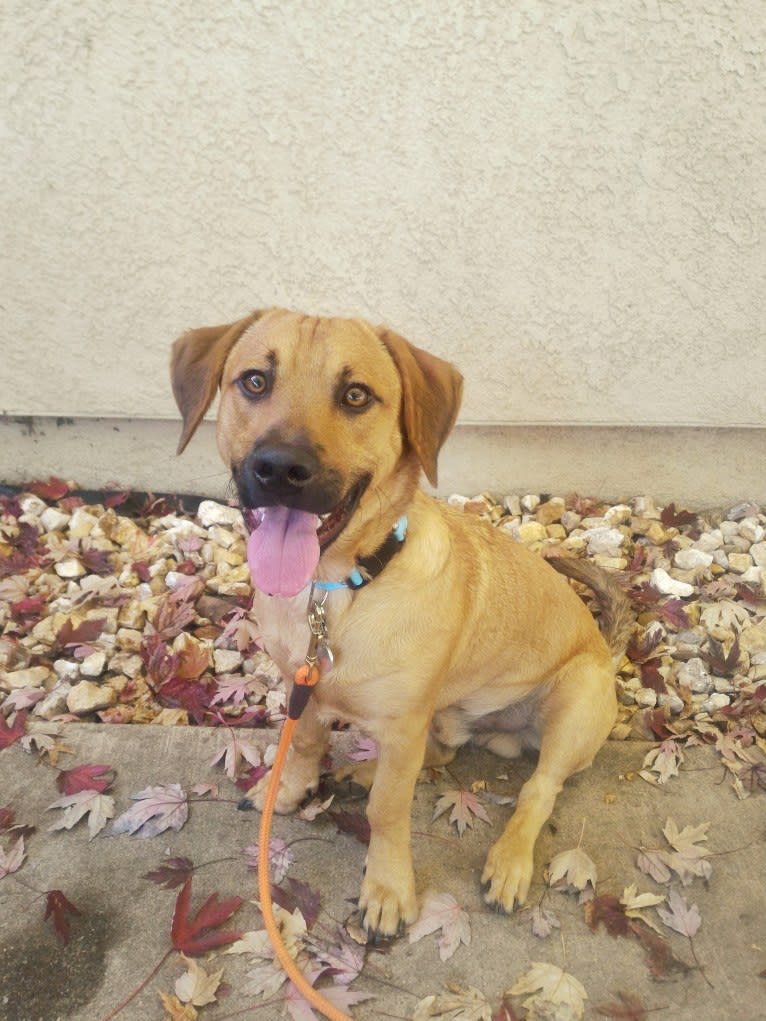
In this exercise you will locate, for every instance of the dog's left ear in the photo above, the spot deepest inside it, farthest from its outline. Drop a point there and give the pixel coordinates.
(432, 389)
(196, 365)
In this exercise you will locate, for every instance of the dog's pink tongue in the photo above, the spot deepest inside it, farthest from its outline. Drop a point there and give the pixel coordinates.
(283, 552)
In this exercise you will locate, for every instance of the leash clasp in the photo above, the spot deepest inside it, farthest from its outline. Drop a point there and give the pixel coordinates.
(307, 674)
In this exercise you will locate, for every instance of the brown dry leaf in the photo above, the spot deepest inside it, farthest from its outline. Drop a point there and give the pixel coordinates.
(177, 1011)
(196, 986)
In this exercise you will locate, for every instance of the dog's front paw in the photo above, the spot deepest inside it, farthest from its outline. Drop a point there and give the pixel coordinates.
(386, 908)
(507, 876)
(294, 788)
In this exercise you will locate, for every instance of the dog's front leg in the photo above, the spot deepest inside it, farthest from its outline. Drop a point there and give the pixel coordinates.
(300, 776)
(387, 900)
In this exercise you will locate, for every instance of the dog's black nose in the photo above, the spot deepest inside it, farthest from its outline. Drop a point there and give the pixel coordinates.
(283, 468)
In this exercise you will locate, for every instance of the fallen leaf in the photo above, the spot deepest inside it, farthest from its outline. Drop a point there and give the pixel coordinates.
(465, 806)
(543, 922)
(99, 808)
(280, 858)
(354, 823)
(11, 862)
(13, 732)
(660, 959)
(171, 873)
(690, 859)
(680, 916)
(234, 753)
(68, 635)
(344, 958)
(300, 897)
(196, 986)
(177, 1011)
(551, 987)
(196, 936)
(88, 777)
(572, 870)
(58, 907)
(158, 809)
(663, 761)
(442, 911)
(607, 910)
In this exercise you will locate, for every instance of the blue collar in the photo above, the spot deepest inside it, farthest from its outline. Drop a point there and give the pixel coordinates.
(370, 567)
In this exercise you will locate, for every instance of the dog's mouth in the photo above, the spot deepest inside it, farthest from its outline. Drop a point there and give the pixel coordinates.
(285, 543)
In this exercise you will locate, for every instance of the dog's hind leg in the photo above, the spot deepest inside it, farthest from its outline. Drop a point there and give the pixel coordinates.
(575, 719)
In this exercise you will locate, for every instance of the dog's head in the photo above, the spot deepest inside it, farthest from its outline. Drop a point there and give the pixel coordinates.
(325, 424)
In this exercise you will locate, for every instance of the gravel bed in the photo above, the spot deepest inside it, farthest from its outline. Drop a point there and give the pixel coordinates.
(134, 610)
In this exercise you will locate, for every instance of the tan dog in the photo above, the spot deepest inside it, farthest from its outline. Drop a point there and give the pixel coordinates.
(326, 425)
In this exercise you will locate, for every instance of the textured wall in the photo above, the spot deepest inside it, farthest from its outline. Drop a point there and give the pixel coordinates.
(567, 198)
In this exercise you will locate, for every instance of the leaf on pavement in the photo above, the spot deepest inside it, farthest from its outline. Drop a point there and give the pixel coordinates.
(663, 761)
(630, 1008)
(11, 862)
(679, 915)
(177, 1011)
(572, 871)
(555, 993)
(57, 907)
(11, 733)
(442, 911)
(607, 910)
(196, 936)
(465, 806)
(171, 873)
(544, 922)
(157, 809)
(234, 753)
(196, 986)
(87, 777)
(99, 808)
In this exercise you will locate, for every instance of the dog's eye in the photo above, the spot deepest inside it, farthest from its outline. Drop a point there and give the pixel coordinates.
(356, 396)
(253, 383)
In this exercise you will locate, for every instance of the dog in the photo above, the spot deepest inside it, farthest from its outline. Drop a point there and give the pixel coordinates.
(449, 633)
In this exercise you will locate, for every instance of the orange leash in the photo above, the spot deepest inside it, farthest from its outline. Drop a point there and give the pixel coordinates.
(305, 679)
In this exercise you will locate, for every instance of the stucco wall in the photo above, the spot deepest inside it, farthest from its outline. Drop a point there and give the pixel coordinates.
(566, 198)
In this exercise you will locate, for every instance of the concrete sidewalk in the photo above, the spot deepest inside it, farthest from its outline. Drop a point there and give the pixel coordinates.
(124, 926)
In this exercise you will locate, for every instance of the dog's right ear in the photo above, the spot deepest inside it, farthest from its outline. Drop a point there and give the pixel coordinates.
(196, 365)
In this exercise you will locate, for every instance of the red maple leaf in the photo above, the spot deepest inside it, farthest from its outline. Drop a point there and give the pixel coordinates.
(117, 498)
(171, 873)
(355, 823)
(54, 489)
(672, 518)
(28, 611)
(673, 612)
(196, 936)
(58, 907)
(69, 636)
(298, 895)
(88, 777)
(651, 676)
(96, 561)
(9, 735)
(608, 911)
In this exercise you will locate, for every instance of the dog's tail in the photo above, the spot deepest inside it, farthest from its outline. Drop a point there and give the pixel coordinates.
(617, 617)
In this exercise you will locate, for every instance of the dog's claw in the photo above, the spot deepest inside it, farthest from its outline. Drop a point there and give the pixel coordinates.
(245, 805)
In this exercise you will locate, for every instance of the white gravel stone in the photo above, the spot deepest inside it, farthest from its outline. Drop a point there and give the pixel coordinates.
(692, 559)
(758, 553)
(87, 697)
(66, 668)
(570, 520)
(512, 504)
(618, 514)
(93, 665)
(645, 507)
(750, 529)
(530, 502)
(740, 562)
(667, 586)
(30, 677)
(33, 505)
(715, 702)
(212, 513)
(69, 568)
(604, 540)
(674, 702)
(646, 698)
(55, 702)
(82, 523)
(226, 660)
(693, 675)
(457, 501)
(52, 519)
(709, 541)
